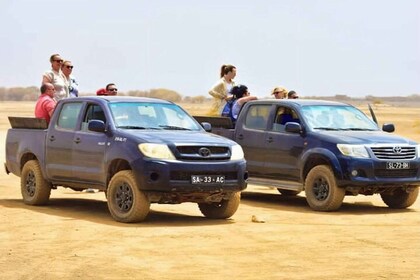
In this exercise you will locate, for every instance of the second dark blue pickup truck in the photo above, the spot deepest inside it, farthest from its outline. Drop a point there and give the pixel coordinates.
(327, 149)
(137, 150)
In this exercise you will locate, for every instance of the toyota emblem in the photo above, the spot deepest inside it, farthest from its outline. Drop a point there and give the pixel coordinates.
(204, 152)
(397, 150)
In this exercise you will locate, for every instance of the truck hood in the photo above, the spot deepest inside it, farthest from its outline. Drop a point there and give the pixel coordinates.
(364, 137)
(177, 137)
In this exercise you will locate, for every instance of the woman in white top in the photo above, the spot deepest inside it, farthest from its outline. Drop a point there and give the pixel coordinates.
(67, 69)
(56, 77)
(221, 90)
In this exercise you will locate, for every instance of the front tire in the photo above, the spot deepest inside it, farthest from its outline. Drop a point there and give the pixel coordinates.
(400, 199)
(126, 202)
(34, 188)
(221, 210)
(322, 192)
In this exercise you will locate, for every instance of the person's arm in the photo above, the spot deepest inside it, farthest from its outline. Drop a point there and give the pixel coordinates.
(47, 78)
(218, 91)
(245, 99)
(50, 106)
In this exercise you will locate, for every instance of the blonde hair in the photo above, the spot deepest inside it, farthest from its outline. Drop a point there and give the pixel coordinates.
(280, 89)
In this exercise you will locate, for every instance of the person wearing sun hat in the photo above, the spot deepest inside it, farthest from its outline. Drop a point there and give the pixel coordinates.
(279, 92)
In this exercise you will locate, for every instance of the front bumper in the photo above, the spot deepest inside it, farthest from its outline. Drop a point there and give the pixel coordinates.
(373, 172)
(175, 176)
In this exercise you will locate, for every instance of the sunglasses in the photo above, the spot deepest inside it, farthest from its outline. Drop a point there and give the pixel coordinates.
(277, 92)
(112, 89)
(295, 97)
(69, 67)
(58, 60)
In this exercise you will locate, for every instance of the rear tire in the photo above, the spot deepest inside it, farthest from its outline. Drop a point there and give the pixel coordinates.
(322, 192)
(126, 202)
(221, 210)
(34, 188)
(400, 199)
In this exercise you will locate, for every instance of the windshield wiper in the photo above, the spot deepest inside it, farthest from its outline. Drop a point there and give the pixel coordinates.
(326, 128)
(172, 127)
(131, 127)
(359, 129)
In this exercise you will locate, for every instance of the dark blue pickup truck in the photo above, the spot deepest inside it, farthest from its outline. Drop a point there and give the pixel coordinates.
(137, 150)
(327, 149)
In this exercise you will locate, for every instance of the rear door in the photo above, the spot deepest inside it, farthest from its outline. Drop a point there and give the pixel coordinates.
(250, 134)
(59, 142)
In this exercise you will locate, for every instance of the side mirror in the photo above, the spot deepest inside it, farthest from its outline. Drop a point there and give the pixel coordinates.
(293, 127)
(206, 126)
(388, 127)
(97, 126)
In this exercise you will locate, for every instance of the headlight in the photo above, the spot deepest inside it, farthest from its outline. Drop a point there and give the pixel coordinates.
(159, 151)
(237, 153)
(357, 151)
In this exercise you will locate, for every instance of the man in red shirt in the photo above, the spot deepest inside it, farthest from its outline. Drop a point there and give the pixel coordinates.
(46, 103)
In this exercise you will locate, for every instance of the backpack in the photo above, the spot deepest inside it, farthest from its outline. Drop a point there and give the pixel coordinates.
(227, 110)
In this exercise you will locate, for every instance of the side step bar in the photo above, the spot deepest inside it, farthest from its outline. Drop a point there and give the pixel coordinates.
(284, 185)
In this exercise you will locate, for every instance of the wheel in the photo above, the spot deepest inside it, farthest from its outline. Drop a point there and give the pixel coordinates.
(34, 188)
(288, 192)
(221, 210)
(322, 192)
(126, 202)
(400, 199)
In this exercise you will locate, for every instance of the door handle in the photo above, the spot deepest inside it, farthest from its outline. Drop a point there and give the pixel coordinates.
(52, 138)
(77, 140)
(270, 139)
(240, 137)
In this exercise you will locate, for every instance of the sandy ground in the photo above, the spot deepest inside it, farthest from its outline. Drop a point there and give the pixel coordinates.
(74, 237)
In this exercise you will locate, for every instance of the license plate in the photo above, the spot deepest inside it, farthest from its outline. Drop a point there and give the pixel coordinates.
(207, 179)
(397, 165)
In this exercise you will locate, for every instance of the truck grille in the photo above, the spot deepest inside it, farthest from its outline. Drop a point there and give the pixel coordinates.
(395, 173)
(202, 153)
(394, 152)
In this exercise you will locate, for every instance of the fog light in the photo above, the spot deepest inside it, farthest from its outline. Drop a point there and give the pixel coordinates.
(354, 173)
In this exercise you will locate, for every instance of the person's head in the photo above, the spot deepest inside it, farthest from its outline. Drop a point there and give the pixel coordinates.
(292, 95)
(56, 61)
(239, 91)
(279, 92)
(48, 89)
(67, 68)
(228, 72)
(111, 89)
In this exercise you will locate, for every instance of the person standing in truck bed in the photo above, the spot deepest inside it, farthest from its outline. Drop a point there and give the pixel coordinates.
(221, 90)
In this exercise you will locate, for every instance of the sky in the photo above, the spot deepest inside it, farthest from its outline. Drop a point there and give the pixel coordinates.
(315, 47)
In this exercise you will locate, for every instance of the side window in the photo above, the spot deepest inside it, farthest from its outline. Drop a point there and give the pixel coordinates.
(257, 117)
(283, 116)
(93, 112)
(68, 115)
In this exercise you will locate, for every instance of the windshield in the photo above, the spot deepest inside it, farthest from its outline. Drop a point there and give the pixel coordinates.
(142, 115)
(333, 117)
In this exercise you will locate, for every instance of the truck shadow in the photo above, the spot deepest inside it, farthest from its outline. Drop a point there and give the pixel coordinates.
(96, 211)
(299, 204)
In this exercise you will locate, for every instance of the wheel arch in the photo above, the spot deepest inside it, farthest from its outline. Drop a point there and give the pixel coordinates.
(116, 166)
(320, 156)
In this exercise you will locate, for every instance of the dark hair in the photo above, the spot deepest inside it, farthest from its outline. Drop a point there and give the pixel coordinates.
(290, 93)
(239, 91)
(108, 85)
(52, 57)
(226, 68)
(43, 88)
